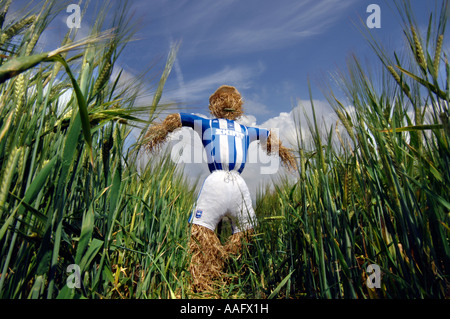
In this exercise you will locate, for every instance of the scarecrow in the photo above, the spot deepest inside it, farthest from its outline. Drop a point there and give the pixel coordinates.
(224, 191)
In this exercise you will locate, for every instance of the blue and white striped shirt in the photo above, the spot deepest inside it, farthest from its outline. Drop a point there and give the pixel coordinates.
(225, 141)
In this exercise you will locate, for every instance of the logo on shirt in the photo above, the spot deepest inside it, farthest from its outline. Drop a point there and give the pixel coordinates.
(198, 213)
(221, 131)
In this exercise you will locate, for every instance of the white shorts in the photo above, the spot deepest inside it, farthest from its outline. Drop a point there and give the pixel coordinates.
(224, 194)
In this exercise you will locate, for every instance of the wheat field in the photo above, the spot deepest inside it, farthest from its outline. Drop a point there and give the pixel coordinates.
(372, 189)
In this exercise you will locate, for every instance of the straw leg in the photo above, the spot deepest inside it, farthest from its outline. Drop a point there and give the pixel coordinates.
(207, 258)
(233, 245)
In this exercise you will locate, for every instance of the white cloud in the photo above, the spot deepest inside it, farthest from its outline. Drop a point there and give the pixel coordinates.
(288, 124)
(285, 125)
(247, 120)
(255, 107)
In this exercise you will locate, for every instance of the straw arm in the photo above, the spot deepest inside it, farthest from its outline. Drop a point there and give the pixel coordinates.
(157, 134)
(274, 146)
(172, 122)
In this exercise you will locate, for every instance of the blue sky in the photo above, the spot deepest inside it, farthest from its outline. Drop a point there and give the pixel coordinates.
(269, 50)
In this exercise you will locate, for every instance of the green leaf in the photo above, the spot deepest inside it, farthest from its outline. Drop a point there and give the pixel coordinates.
(66, 293)
(82, 106)
(425, 83)
(87, 228)
(36, 291)
(44, 257)
(414, 128)
(17, 65)
(427, 163)
(280, 285)
(162, 81)
(93, 249)
(31, 193)
(39, 181)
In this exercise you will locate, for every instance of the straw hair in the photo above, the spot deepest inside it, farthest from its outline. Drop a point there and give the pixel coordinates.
(226, 103)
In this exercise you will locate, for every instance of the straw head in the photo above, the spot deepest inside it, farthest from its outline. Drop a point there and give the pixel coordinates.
(226, 103)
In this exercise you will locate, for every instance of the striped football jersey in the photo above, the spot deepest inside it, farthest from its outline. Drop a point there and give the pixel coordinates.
(225, 141)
